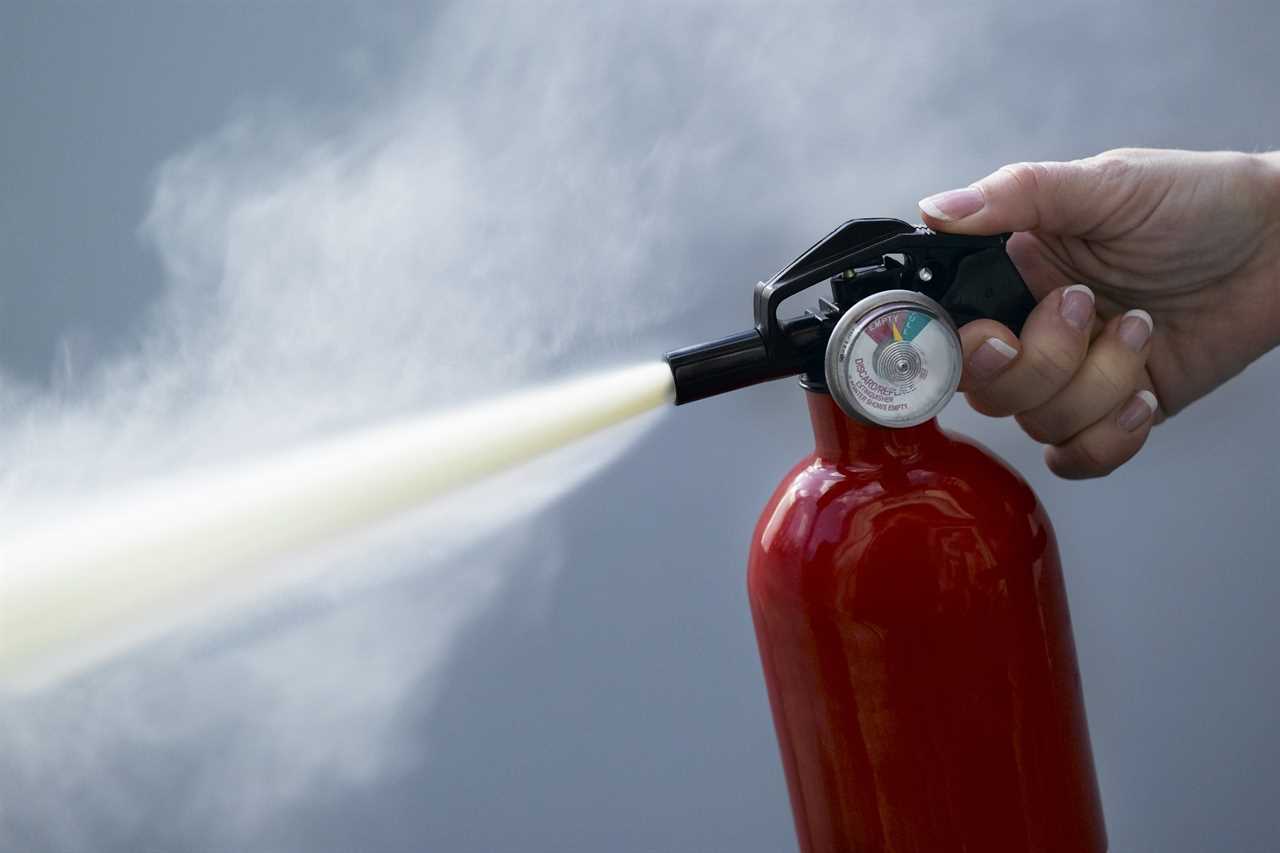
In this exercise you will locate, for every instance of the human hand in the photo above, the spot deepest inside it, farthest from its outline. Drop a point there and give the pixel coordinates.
(1181, 252)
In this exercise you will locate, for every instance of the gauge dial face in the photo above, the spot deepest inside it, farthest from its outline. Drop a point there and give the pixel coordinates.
(895, 363)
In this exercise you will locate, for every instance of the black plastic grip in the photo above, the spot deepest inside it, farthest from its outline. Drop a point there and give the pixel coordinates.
(987, 284)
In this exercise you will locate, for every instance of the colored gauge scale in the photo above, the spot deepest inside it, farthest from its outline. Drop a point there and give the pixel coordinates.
(894, 359)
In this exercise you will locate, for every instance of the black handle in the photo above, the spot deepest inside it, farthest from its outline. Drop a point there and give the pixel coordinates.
(987, 284)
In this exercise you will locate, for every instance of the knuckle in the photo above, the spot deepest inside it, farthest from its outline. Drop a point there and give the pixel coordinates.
(1053, 365)
(985, 404)
(1124, 153)
(1038, 427)
(1114, 165)
(1115, 385)
(1029, 177)
(1095, 459)
(1098, 453)
(1256, 167)
(1080, 460)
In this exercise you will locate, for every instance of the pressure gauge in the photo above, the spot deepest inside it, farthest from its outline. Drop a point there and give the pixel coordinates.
(894, 359)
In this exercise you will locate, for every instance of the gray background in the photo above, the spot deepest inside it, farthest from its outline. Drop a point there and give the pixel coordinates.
(630, 715)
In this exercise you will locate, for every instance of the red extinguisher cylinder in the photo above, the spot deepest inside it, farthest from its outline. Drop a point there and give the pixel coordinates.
(913, 627)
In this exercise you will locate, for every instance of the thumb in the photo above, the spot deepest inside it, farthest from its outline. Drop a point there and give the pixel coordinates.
(1061, 198)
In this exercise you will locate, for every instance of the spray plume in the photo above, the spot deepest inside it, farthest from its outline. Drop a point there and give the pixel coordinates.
(71, 588)
(324, 273)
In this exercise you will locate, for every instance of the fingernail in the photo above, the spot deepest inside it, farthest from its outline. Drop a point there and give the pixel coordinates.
(1137, 411)
(1077, 306)
(989, 359)
(954, 204)
(1135, 329)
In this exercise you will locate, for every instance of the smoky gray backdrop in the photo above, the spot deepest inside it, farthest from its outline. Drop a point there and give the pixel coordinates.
(629, 172)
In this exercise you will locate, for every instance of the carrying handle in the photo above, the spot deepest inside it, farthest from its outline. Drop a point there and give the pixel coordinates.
(970, 276)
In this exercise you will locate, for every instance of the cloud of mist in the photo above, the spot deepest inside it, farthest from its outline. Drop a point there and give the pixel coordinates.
(531, 197)
(474, 230)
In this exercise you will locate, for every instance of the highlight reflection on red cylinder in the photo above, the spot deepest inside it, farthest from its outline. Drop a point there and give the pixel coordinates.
(913, 626)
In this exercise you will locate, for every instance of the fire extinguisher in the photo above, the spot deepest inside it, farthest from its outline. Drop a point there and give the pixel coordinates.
(904, 582)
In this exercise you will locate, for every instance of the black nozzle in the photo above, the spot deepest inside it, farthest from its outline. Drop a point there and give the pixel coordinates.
(704, 370)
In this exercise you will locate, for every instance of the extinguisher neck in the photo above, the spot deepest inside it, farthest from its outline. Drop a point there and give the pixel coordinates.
(841, 439)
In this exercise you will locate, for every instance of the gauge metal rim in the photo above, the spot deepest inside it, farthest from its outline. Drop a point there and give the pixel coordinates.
(854, 322)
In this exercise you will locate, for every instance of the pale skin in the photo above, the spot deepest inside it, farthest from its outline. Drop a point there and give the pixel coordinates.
(1158, 275)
